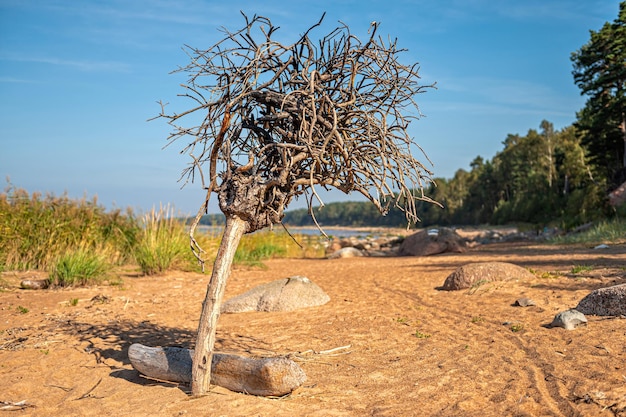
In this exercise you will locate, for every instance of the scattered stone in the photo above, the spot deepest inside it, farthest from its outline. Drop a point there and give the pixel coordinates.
(347, 252)
(432, 242)
(286, 294)
(514, 326)
(569, 319)
(468, 275)
(524, 302)
(378, 253)
(459, 241)
(609, 301)
(333, 246)
(101, 299)
(35, 284)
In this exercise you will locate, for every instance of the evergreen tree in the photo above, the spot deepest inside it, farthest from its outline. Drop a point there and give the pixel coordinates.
(600, 73)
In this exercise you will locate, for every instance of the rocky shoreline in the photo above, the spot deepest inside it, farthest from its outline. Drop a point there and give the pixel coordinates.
(402, 242)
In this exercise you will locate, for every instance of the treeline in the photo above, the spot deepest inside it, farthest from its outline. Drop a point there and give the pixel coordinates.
(541, 178)
(349, 214)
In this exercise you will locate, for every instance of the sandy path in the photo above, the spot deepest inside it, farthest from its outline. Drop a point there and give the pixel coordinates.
(406, 348)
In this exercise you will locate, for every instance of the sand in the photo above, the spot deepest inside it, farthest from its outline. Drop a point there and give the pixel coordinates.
(389, 343)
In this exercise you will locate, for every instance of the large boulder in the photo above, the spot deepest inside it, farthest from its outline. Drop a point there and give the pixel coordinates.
(281, 295)
(468, 275)
(609, 301)
(432, 242)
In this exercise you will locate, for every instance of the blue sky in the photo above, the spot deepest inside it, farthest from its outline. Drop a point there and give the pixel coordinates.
(80, 79)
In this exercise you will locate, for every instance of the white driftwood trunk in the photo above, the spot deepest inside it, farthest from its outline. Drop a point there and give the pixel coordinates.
(264, 376)
(201, 369)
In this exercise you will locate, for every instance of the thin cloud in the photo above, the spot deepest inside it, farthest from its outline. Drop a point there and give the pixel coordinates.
(12, 80)
(160, 11)
(527, 10)
(85, 65)
(477, 108)
(564, 10)
(506, 91)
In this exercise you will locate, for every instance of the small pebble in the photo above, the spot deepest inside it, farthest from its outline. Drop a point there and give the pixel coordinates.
(524, 302)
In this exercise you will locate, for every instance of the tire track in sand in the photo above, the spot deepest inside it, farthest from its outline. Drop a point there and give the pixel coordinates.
(531, 376)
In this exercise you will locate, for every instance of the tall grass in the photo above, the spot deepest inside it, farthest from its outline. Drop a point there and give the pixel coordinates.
(163, 242)
(608, 231)
(79, 242)
(266, 244)
(36, 230)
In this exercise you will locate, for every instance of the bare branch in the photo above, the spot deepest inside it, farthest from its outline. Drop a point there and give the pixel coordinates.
(284, 119)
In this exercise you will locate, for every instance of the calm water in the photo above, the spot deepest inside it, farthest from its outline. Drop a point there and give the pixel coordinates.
(337, 232)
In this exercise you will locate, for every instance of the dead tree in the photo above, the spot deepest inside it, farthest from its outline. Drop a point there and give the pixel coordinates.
(272, 122)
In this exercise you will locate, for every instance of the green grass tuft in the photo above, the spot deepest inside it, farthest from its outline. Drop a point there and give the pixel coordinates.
(252, 254)
(421, 335)
(577, 269)
(78, 268)
(267, 244)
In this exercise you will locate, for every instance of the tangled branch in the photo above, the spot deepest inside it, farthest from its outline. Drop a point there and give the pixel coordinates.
(277, 121)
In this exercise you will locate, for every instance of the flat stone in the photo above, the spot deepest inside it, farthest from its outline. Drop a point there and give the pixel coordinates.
(286, 294)
(347, 252)
(468, 275)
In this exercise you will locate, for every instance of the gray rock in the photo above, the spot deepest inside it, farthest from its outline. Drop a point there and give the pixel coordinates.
(432, 242)
(347, 252)
(286, 294)
(35, 284)
(609, 301)
(379, 253)
(468, 275)
(524, 302)
(569, 319)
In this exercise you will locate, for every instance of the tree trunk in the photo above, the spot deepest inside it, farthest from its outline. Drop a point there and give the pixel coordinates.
(623, 129)
(202, 359)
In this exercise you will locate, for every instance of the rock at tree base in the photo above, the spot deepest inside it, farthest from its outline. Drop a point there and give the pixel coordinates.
(425, 243)
(281, 295)
(569, 319)
(468, 275)
(263, 377)
(609, 301)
